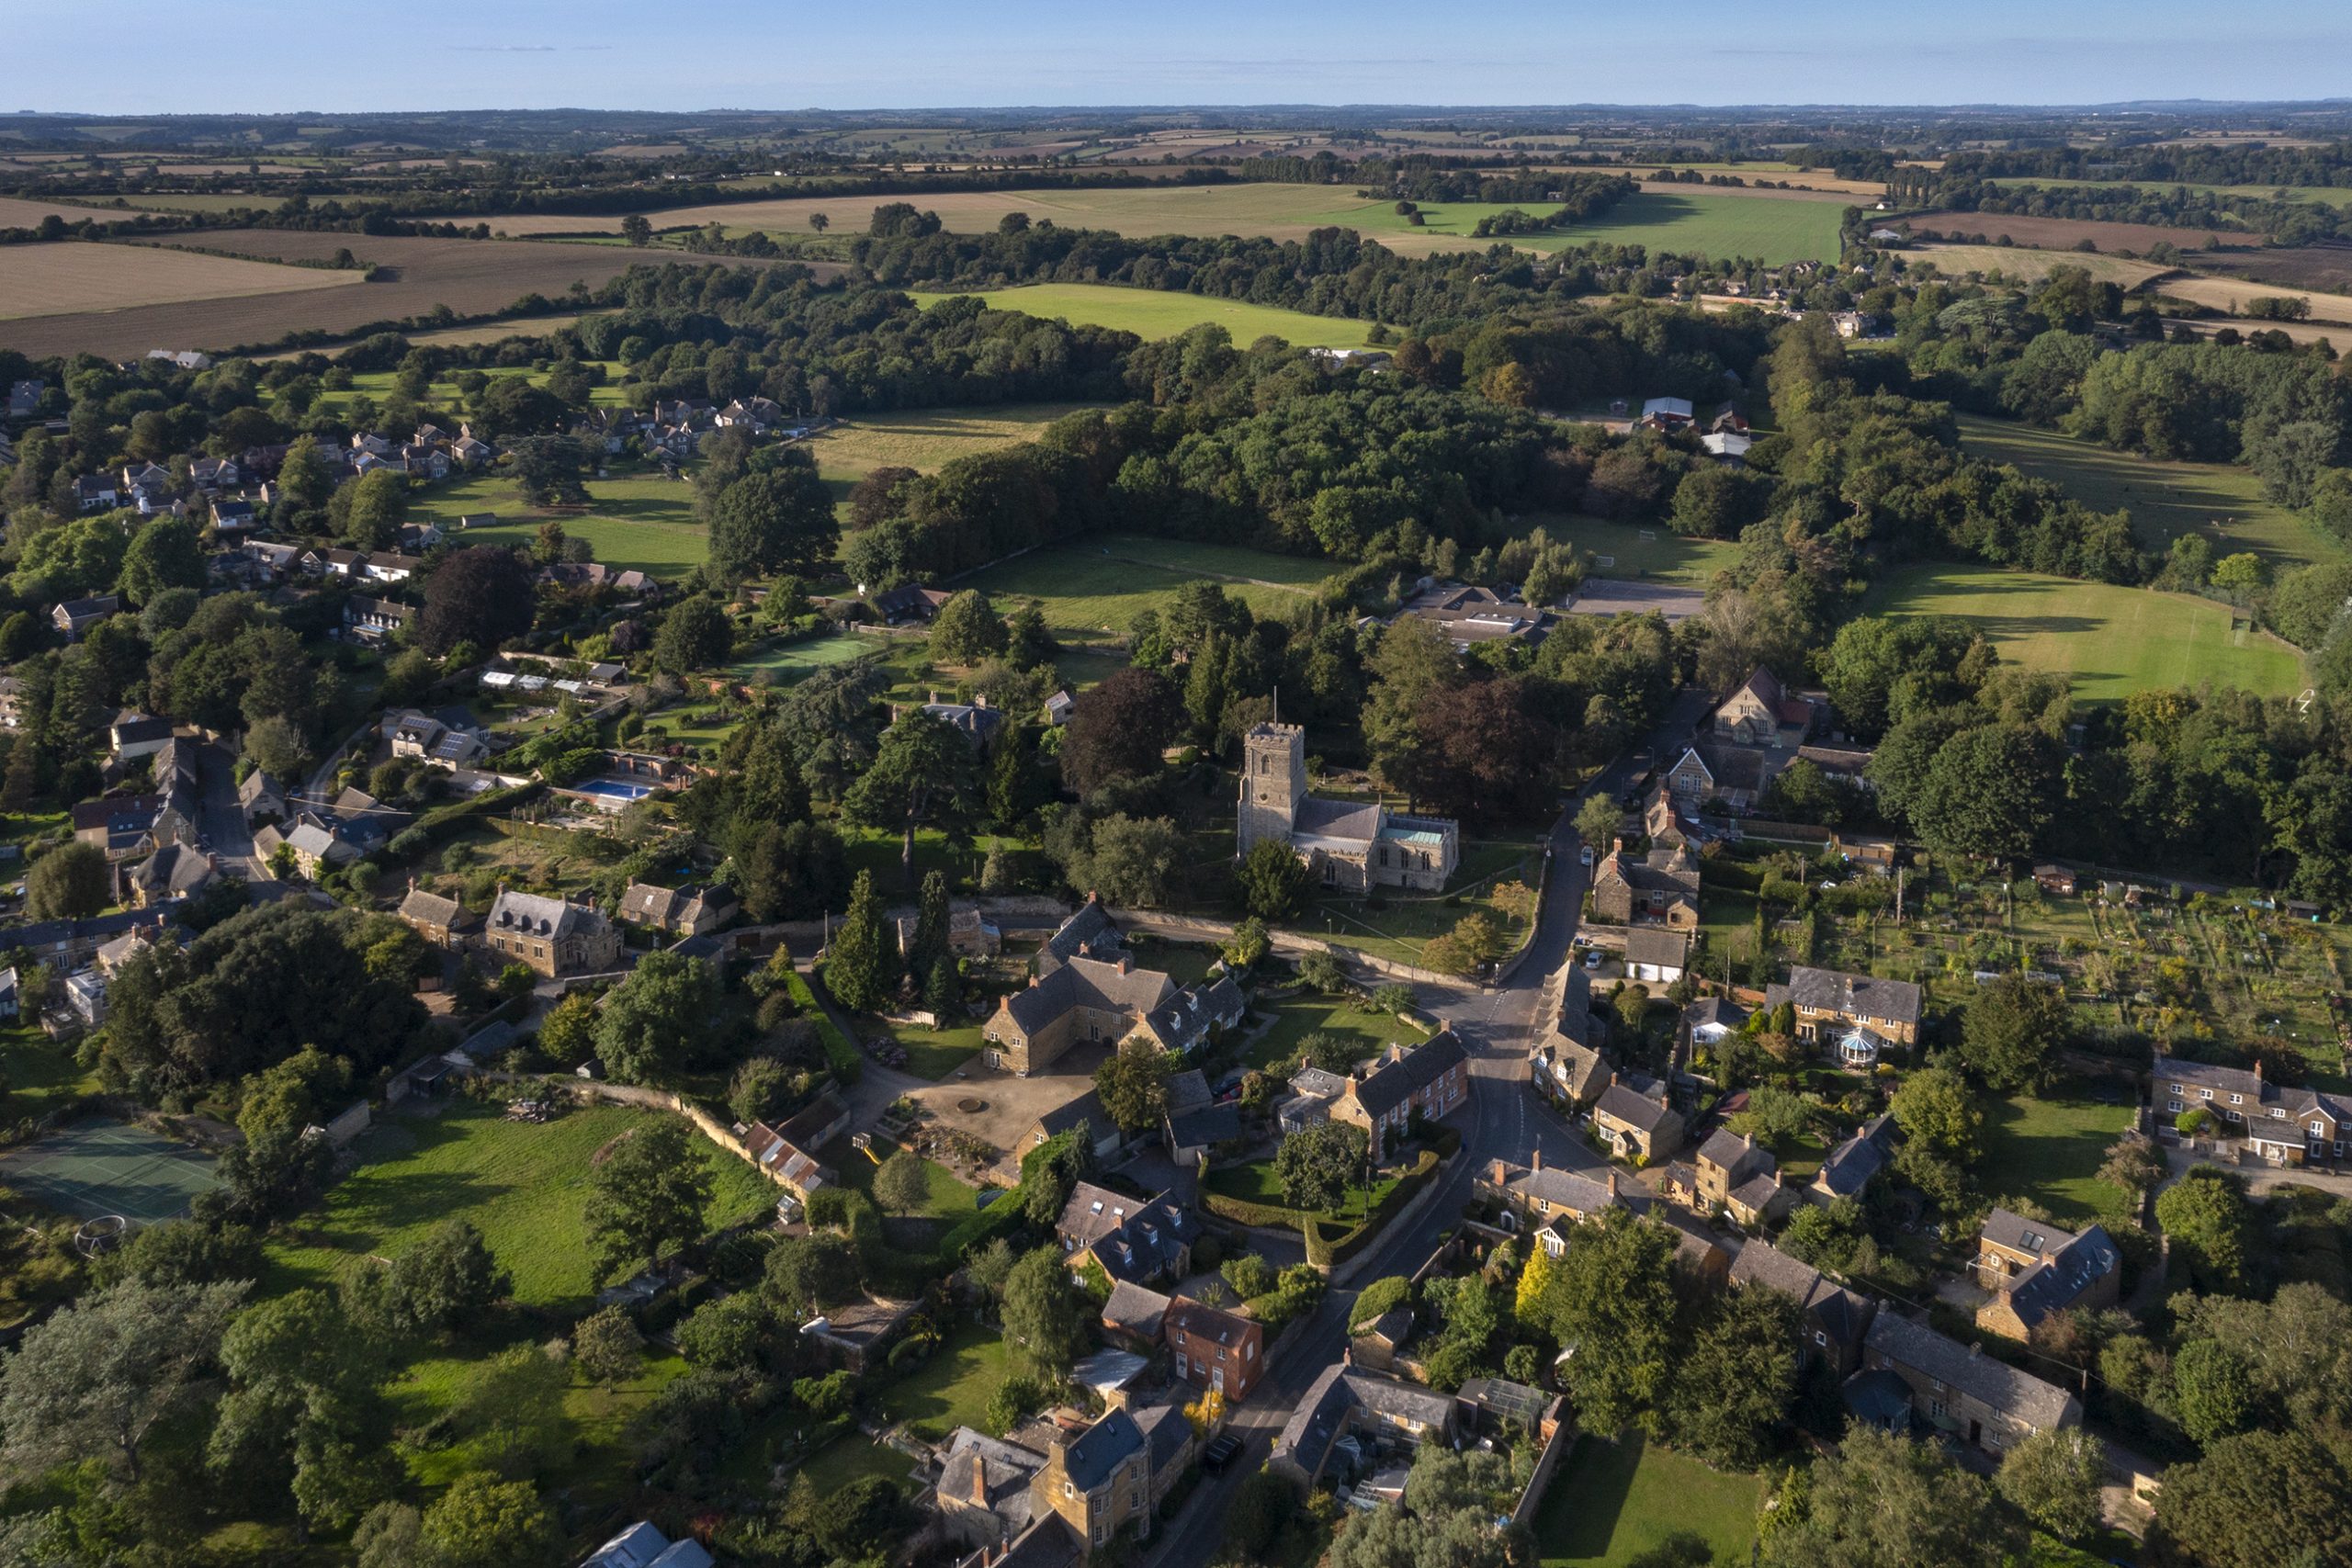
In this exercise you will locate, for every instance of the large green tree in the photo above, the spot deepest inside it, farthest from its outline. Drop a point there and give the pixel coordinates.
(164, 554)
(2259, 1500)
(862, 963)
(695, 635)
(651, 1022)
(2053, 1478)
(2012, 1030)
(924, 775)
(1317, 1165)
(1045, 1316)
(1133, 1086)
(96, 1379)
(68, 883)
(648, 1196)
(1887, 1502)
(445, 1281)
(1274, 882)
(781, 520)
(2206, 1214)
(1613, 1302)
(1734, 1388)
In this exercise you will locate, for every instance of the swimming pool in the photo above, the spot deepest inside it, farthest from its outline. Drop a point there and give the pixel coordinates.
(615, 789)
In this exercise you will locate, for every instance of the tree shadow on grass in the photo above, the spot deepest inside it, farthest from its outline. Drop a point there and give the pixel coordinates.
(1580, 1517)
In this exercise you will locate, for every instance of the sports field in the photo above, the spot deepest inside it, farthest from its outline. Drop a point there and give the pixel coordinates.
(65, 277)
(2112, 641)
(1157, 313)
(1771, 227)
(634, 522)
(109, 1167)
(2220, 501)
(1096, 588)
(924, 439)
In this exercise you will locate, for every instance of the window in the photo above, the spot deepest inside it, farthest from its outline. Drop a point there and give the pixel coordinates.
(2177, 1090)
(1819, 1338)
(2238, 1099)
(2205, 1093)
(2172, 1105)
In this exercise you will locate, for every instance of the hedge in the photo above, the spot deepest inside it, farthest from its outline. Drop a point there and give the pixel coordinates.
(1010, 1210)
(848, 1065)
(443, 822)
(1329, 1253)
(1242, 1211)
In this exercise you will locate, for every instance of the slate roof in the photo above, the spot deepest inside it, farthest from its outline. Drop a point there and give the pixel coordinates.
(1087, 1108)
(1097, 1454)
(1855, 996)
(1990, 1382)
(1004, 1470)
(1209, 1124)
(1089, 983)
(430, 908)
(1853, 1164)
(172, 872)
(1131, 1239)
(1321, 818)
(1726, 1148)
(536, 915)
(1393, 1080)
(2205, 1075)
(1651, 944)
(2072, 1263)
(1204, 1321)
(1715, 1010)
(1561, 1188)
(1135, 1309)
(1090, 932)
(1620, 1102)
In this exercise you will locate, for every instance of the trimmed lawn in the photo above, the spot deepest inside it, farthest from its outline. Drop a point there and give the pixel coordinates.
(952, 1389)
(949, 1199)
(2111, 641)
(1403, 924)
(524, 1186)
(602, 1455)
(1159, 313)
(934, 1052)
(2049, 1149)
(1096, 587)
(925, 439)
(782, 663)
(1309, 1012)
(2222, 502)
(1632, 550)
(1255, 1182)
(1610, 1503)
(852, 1456)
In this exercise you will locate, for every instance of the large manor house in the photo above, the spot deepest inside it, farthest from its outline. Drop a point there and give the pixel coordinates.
(1351, 844)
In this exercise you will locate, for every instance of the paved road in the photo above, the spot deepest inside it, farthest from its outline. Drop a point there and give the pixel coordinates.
(222, 818)
(1503, 1119)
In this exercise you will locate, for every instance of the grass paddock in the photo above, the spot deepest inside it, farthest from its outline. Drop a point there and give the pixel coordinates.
(1611, 1503)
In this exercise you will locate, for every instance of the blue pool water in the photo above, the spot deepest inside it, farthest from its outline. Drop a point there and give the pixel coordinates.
(615, 789)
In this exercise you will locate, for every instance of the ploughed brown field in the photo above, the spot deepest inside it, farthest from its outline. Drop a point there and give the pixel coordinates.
(2064, 234)
(2325, 268)
(471, 276)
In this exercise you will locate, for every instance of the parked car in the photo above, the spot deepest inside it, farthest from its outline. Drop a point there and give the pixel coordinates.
(1592, 958)
(1220, 1454)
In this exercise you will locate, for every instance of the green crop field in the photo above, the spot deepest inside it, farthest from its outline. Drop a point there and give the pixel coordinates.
(635, 521)
(2112, 641)
(1157, 313)
(1772, 230)
(523, 1185)
(1612, 1503)
(1096, 587)
(2166, 500)
(1630, 549)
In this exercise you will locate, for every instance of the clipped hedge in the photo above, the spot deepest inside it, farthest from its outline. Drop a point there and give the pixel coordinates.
(1242, 1211)
(848, 1065)
(445, 822)
(1325, 1251)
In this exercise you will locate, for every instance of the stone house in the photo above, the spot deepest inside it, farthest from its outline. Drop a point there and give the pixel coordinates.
(1564, 1065)
(1355, 845)
(1853, 1165)
(1634, 1119)
(1834, 1319)
(2035, 1269)
(1855, 1016)
(442, 921)
(1954, 1389)
(1346, 1399)
(1662, 886)
(1545, 1200)
(1081, 1001)
(551, 937)
(1143, 1240)
(682, 911)
(1739, 1177)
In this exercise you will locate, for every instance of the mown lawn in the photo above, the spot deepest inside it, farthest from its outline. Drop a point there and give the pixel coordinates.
(2048, 1148)
(523, 1186)
(634, 522)
(2111, 641)
(948, 1198)
(1632, 550)
(924, 439)
(1308, 1012)
(934, 1052)
(952, 1389)
(781, 663)
(39, 1074)
(1096, 588)
(2220, 501)
(1610, 1503)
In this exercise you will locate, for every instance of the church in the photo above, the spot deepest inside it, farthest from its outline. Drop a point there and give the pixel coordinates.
(1349, 844)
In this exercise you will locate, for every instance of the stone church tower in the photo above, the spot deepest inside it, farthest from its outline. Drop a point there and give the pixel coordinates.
(1273, 784)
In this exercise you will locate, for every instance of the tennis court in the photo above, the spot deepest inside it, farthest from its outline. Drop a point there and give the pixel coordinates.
(109, 1167)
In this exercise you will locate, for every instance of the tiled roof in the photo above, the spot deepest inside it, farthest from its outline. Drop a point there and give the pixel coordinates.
(1855, 996)
(1621, 1104)
(1851, 1163)
(1096, 1455)
(2038, 1405)
(1089, 931)
(1089, 983)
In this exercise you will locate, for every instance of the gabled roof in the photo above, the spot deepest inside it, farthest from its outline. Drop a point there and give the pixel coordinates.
(1657, 946)
(1621, 1102)
(421, 908)
(1726, 1149)
(1993, 1382)
(1204, 1321)
(534, 915)
(1088, 983)
(1089, 931)
(1401, 1073)
(1853, 1164)
(1855, 996)
(1135, 1309)
(1097, 1454)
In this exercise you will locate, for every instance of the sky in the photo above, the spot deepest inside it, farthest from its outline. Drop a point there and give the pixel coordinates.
(214, 56)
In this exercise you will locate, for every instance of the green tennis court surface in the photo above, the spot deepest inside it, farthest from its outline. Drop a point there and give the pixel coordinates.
(109, 1167)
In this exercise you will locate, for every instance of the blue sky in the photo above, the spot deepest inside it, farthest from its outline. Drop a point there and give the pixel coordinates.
(266, 55)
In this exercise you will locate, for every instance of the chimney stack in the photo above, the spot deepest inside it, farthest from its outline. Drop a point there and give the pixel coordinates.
(980, 1481)
(1612, 1184)
(1539, 1157)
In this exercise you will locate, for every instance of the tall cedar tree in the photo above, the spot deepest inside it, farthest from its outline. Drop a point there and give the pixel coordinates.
(482, 594)
(861, 965)
(930, 944)
(924, 774)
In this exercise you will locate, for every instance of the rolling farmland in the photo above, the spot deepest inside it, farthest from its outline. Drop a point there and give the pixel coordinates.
(78, 280)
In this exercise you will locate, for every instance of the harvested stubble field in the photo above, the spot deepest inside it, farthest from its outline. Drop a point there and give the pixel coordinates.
(77, 279)
(2063, 233)
(2022, 263)
(2234, 294)
(1157, 313)
(16, 213)
(471, 276)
